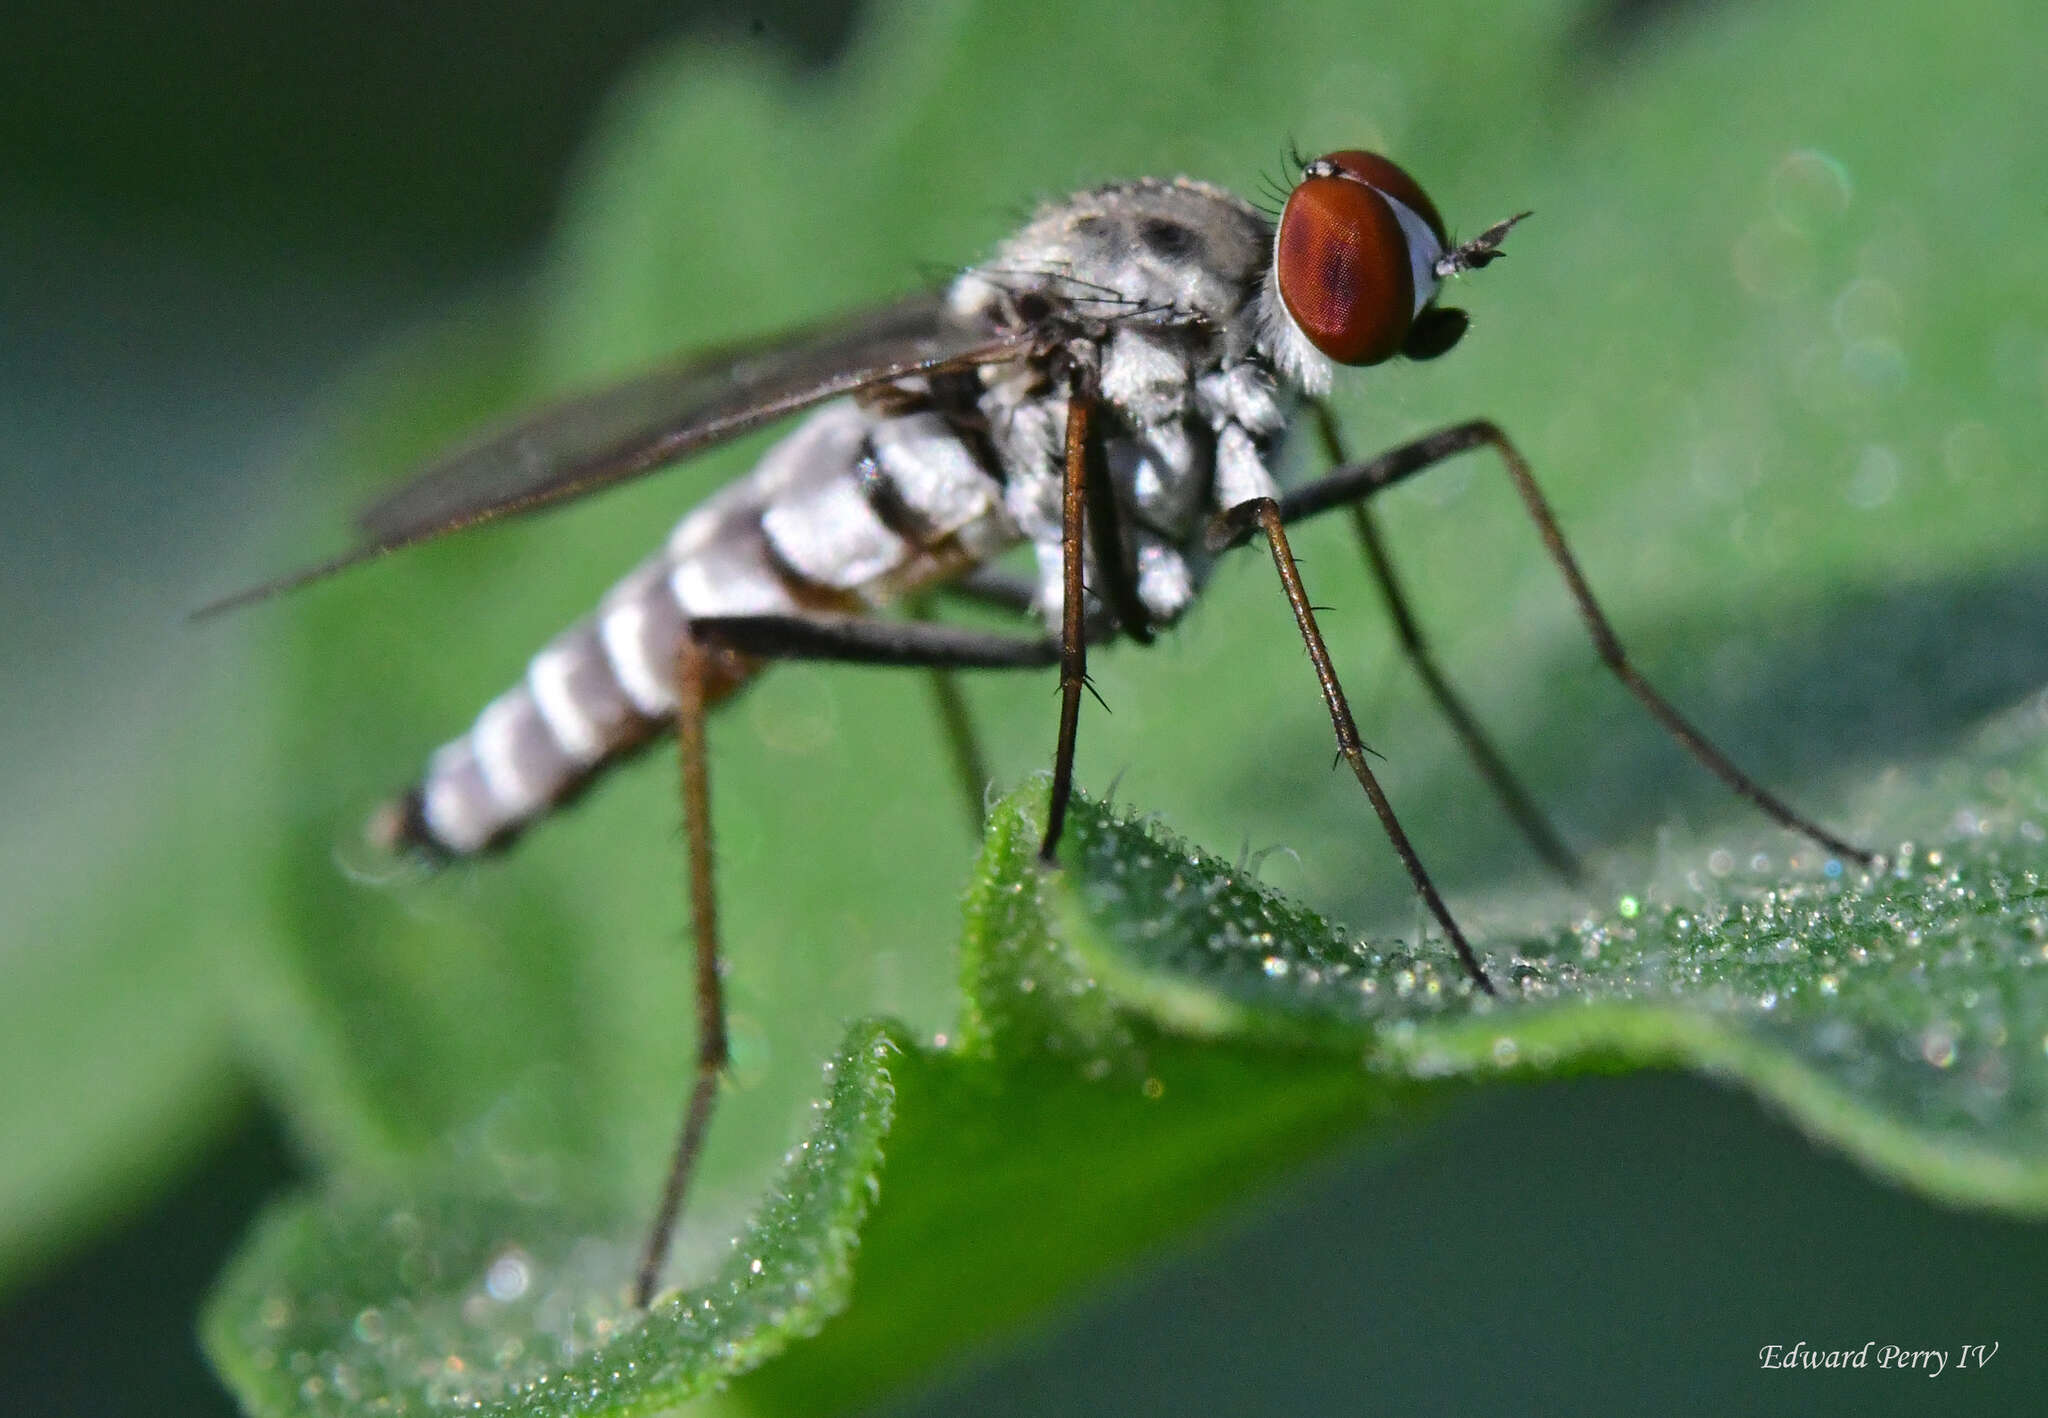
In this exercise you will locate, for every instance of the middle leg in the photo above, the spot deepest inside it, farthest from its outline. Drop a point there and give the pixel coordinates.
(1359, 481)
(963, 744)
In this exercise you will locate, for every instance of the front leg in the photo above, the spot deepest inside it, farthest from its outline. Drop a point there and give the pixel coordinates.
(1073, 638)
(1263, 514)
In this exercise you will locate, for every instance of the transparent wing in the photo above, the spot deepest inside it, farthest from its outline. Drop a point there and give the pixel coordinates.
(593, 442)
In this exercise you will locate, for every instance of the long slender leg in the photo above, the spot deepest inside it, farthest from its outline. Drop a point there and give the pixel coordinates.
(1362, 480)
(1073, 641)
(711, 1038)
(963, 745)
(855, 640)
(956, 722)
(1520, 807)
(1263, 513)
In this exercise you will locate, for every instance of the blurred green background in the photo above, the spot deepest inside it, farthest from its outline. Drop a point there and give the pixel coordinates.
(1782, 368)
(208, 214)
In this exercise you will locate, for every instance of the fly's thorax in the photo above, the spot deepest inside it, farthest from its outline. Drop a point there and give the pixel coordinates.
(1165, 282)
(1178, 255)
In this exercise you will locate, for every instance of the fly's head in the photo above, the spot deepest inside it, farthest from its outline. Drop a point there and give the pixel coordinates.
(1359, 259)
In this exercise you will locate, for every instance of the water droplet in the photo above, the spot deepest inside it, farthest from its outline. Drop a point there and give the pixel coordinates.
(1810, 190)
(1938, 1045)
(1629, 906)
(1875, 479)
(1274, 966)
(510, 1276)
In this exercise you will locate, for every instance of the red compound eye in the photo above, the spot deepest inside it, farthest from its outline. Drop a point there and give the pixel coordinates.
(1342, 261)
(1392, 179)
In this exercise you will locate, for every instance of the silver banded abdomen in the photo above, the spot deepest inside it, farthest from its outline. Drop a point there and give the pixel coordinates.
(851, 510)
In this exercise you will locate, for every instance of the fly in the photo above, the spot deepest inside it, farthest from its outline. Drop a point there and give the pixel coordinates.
(1110, 389)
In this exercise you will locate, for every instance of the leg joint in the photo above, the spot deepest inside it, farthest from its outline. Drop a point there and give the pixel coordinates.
(1233, 526)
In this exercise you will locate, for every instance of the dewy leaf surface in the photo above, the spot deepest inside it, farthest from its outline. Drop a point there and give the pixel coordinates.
(489, 1293)
(1901, 1014)
(493, 1282)
(1150, 1032)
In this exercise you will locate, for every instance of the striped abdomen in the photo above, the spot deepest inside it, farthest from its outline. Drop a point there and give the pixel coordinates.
(849, 511)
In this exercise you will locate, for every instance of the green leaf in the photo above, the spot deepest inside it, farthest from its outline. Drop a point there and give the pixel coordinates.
(496, 1277)
(1902, 1016)
(1149, 1033)
(486, 1289)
